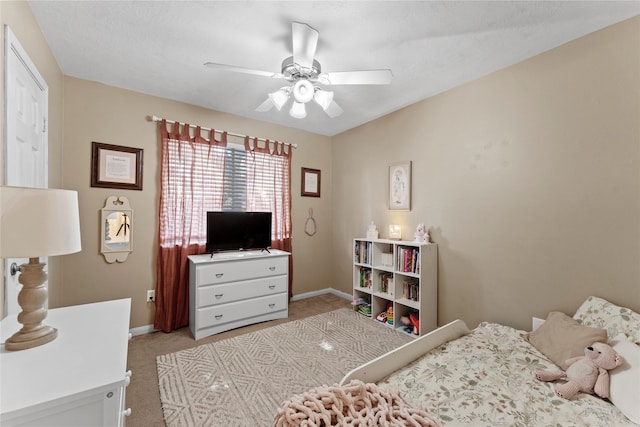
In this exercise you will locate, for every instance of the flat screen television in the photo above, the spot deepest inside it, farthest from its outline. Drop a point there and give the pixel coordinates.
(229, 231)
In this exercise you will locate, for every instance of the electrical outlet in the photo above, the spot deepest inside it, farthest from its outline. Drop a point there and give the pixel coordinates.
(536, 322)
(151, 296)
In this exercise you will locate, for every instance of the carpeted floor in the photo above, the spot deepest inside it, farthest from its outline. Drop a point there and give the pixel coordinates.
(143, 394)
(241, 381)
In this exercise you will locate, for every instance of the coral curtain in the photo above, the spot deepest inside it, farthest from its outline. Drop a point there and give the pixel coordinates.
(192, 175)
(192, 183)
(269, 190)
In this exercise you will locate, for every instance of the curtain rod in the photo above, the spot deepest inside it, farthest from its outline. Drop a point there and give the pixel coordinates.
(159, 119)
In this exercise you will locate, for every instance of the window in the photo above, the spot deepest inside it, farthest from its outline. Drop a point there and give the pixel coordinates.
(235, 180)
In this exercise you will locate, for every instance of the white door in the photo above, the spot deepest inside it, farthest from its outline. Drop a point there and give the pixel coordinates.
(26, 138)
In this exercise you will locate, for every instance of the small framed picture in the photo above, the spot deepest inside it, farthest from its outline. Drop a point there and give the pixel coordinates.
(400, 186)
(310, 182)
(116, 166)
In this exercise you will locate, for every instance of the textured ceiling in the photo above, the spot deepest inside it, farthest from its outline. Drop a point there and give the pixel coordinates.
(159, 47)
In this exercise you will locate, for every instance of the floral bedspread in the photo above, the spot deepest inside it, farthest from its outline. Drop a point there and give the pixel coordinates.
(487, 378)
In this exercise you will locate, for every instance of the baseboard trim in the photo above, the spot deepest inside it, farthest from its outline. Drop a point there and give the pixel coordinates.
(147, 329)
(141, 330)
(322, 292)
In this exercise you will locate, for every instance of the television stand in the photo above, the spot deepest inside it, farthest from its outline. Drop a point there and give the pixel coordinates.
(228, 290)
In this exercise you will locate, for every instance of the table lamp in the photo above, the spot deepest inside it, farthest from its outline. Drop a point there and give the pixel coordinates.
(394, 231)
(36, 222)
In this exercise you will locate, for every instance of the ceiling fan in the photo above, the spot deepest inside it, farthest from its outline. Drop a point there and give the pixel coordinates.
(303, 74)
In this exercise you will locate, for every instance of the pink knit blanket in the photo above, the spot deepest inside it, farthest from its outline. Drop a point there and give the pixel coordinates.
(354, 404)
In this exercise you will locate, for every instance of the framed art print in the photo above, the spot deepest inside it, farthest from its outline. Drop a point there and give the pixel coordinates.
(400, 186)
(310, 182)
(115, 166)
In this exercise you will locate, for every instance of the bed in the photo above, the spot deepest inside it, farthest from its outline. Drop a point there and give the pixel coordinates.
(487, 376)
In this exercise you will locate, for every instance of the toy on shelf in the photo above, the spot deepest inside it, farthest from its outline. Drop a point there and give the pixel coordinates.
(411, 323)
(416, 323)
(382, 317)
(422, 234)
(390, 314)
(372, 231)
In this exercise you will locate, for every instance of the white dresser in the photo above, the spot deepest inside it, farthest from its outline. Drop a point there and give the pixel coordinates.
(76, 380)
(233, 289)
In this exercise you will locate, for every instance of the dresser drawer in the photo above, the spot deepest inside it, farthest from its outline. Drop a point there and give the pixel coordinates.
(234, 291)
(220, 314)
(231, 271)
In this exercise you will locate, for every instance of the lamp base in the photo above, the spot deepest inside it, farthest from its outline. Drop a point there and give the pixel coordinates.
(24, 340)
(32, 298)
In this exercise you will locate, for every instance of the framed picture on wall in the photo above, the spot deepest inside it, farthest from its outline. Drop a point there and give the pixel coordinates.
(310, 182)
(400, 186)
(116, 166)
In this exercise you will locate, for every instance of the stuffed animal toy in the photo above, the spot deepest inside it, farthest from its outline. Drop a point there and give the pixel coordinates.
(421, 234)
(587, 374)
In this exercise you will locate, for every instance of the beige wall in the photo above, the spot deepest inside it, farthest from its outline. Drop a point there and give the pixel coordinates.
(17, 15)
(528, 178)
(95, 112)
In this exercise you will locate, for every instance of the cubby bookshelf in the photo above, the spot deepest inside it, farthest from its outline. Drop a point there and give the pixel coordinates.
(397, 275)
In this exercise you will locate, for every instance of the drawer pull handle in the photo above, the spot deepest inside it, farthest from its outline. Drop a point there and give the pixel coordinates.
(272, 286)
(127, 381)
(218, 316)
(109, 395)
(127, 412)
(272, 268)
(219, 275)
(272, 305)
(218, 296)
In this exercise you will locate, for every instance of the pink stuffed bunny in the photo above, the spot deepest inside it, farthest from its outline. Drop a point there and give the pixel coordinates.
(587, 374)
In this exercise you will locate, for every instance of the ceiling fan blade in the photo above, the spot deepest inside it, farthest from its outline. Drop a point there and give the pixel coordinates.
(334, 110)
(265, 106)
(231, 68)
(365, 77)
(305, 41)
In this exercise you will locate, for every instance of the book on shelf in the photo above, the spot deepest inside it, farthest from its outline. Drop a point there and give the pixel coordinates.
(386, 259)
(385, 283)
(363, 306)
(362, 252)
(408, 260)
(411, 290)
(365, 278)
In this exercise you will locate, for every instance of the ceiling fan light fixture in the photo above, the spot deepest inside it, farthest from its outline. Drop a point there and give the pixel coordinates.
(323, 98)
(298, 111)
(302, 72)
(303, 91)
(279, 97)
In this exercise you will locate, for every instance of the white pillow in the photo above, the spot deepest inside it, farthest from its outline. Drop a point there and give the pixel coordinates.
(624, 385)
(600, 313)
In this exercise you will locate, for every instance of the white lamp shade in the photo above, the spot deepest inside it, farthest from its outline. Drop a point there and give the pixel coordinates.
(323, 98)
(303, 91)
(279, 98)
(37, 222)
(298, 110)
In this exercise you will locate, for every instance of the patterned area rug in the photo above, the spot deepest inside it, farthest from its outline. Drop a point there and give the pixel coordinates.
(241, 381)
